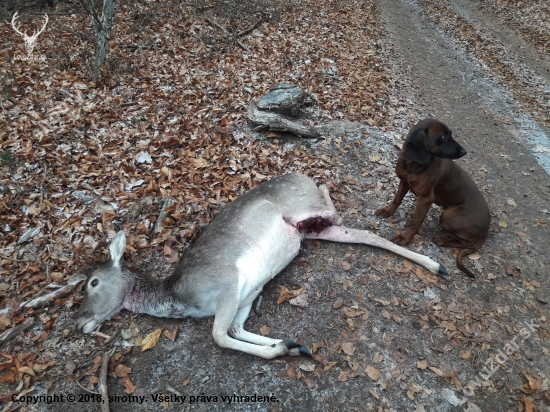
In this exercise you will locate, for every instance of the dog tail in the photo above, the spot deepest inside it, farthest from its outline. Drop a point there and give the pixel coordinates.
(460, 265)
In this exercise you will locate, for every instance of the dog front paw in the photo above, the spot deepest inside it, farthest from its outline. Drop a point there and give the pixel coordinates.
(386, 211)
(402, 238)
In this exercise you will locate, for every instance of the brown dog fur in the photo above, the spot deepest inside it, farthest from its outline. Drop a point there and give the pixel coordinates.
(426, 169)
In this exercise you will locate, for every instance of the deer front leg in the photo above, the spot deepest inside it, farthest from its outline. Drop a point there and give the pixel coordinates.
(390, 209)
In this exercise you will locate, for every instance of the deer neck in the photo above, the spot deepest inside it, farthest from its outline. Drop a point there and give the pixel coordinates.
(150, 296)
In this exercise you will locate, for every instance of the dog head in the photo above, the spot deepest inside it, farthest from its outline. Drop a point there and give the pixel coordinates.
(430, 138)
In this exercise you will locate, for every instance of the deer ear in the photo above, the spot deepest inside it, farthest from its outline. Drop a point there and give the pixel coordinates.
(415, 147)
(116, 249)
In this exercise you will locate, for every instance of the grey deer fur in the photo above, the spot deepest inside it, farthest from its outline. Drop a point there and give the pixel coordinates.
(224, 270)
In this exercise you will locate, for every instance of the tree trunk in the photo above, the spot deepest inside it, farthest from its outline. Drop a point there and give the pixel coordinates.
(102, 32)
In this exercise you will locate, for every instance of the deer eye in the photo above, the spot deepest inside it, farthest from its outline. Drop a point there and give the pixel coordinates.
(94, 283)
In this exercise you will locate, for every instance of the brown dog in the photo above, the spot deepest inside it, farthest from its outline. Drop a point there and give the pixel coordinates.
(426, 169)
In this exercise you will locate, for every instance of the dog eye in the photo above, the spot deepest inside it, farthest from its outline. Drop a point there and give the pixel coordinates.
(442, 138)
(94, 283)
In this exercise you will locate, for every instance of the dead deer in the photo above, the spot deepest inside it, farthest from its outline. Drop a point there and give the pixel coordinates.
(224, 270)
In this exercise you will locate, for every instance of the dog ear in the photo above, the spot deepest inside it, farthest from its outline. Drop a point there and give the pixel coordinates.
(415, 147)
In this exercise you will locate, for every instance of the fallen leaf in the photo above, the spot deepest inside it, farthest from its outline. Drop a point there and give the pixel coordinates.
(532, 386)
(413, 390)
(422, 364)
(343, 376)
(122, 370)
(377, 358)
(286, 294)
(300, 301)
(41, 367)
(150, 341)
(529, 406)
(26, 370)
(329, 365)
(171, 335)
(128, 386)
(372, 373)
(307, 366)
(348, 348)
(346, 265)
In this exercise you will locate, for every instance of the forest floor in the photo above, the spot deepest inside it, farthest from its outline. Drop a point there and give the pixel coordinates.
(386, 334)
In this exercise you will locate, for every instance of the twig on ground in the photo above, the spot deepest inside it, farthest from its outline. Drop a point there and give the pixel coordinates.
(234, 38)
(13, 332)
(103, 380)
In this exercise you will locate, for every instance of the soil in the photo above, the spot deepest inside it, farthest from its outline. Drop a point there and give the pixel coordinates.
(391, 337)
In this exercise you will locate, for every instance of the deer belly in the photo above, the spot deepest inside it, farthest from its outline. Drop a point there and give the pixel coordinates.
(265, 257)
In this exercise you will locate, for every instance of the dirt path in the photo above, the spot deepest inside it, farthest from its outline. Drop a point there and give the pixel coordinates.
(508, 151)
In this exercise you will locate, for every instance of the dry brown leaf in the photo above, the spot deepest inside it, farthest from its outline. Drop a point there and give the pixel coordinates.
(348, 348)
(264, 330)
(532, 386)
(377, 358)
(171, 335)
(344, 376)
(26, 370)
(186, 381)
(422, 364)
(286, 294)
(372, 373)
(382, 301)
(439, 372)
(8, 377)
(328, 366)
(128, 385)
(307, 366)
(413, 390)
(95, 366)
(448, 325)
(397, 318)
(529, 406)
(424, 276)
(4, 322)
(122, 370)
(300, 301)
(151, 340)
(41, 367)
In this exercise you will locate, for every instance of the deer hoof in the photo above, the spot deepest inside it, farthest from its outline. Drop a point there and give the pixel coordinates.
(442, 272)
(295, 349)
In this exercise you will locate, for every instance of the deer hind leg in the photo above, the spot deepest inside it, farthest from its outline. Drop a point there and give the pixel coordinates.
(229, 319)
(236, 329)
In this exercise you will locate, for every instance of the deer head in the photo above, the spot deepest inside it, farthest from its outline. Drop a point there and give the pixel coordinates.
(29, 40)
